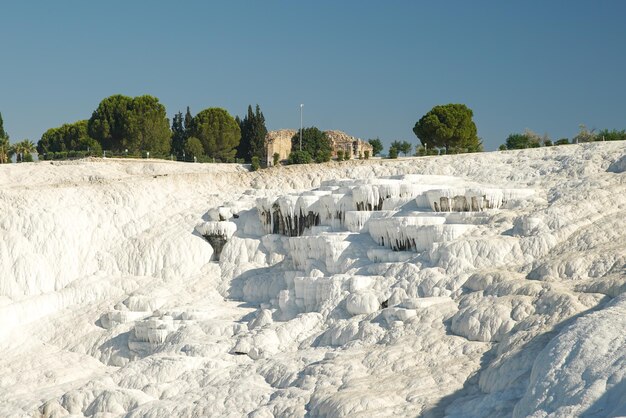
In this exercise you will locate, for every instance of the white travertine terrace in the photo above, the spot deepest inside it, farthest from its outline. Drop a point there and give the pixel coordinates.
(341, 289)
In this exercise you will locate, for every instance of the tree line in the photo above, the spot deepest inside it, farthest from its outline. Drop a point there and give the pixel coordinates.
(530, 139)
(139, 127)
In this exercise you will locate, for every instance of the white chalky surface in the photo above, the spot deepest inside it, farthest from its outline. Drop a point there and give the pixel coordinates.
(507, 302)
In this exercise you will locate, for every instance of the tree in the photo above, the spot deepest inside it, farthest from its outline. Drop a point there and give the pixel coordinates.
(136, 124)
(253, 132)
(314, 142)
(255, 163)
(377, 146)
(3, 133)
(584, 135)
(393, 152)
(188, 123)
(23, 150)
(179, 135)
(562, 141)
(614, 135)
(502, 147)
(516, 141)
(149, 128)
(4, 150)
(339, 155)
(4, 144)
(218, 132)
(68, 137)
(449, 126)
(528, 139)
(299, 157)
(193, 148)
(402, 146)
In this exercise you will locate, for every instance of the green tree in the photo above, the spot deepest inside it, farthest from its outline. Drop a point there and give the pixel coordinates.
(402, 146)
(339, 155)
(193, 148)
(314, 142)
(4, 150)
(188, 123)
(23, 150)
(255, 165)
(149, 128)
(614, 135)
(393, 152)
(299, 157)
(584, 135)
(562, 141)
(528, 139)
(136, 124)
(517, 141)
(218, 132)
(4, 144)
(449, 126)
(377, 146)
(3, 133)
(178, 135)
(68, 137)
(253, 132)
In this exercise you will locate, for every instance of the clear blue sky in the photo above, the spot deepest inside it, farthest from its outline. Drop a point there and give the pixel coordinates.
(368, 68)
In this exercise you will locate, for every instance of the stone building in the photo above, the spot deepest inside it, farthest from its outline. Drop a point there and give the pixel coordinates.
(280, 142)
(351, 146)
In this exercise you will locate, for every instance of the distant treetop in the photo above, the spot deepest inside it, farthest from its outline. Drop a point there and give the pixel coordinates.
(449, 126)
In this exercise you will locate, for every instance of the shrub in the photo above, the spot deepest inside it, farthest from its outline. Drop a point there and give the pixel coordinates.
(367, 155)
(502, 147)
(393, 153)
(562, 141)
(339, 155)
(614, 135)
(256, 163)
(275, 158)
(299, 157)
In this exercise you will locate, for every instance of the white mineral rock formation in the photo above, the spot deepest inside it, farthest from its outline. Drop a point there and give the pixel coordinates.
(480, 285)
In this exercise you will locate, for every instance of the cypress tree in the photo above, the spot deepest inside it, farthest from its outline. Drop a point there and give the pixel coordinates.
(253, 132)
(179, 135)
(245, 125)
(259, 131)
(4, 143)
(188, 123)
(3, 134)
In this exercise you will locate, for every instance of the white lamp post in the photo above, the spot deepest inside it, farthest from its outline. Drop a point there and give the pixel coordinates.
(301, 106)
